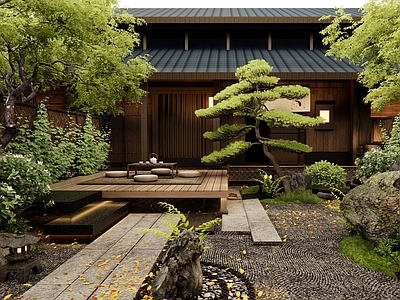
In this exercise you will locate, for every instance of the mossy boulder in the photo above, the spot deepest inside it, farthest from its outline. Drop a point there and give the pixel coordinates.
(373, 207)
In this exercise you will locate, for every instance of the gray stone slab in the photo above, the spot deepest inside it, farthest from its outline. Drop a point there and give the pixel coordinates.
(44, 291)
(236, 219)
(115, 233)
(262, 230)
(151, 240)
(129, 274)
(122, 256)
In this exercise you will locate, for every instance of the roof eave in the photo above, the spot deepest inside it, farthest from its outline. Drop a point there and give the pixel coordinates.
(208, 76)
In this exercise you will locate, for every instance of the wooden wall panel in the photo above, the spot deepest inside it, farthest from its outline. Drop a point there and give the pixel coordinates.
(338, 139)
(179, 131)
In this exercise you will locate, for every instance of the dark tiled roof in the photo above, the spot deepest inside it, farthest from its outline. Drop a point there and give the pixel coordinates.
(222, 64)
(235, 15)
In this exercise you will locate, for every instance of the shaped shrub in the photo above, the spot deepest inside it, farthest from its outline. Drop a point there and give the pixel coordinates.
(327, 174)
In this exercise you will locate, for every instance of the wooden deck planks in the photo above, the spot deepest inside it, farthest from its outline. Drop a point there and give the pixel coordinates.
(214, 185)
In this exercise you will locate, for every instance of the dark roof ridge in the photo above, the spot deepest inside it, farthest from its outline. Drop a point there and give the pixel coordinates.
(237, 15)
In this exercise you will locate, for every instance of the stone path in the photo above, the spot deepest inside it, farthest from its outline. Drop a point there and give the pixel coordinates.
(249, 217)
(114, 264)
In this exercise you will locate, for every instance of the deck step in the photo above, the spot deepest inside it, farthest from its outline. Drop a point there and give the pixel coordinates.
(69, 201)
(86, 223)
(249, 217)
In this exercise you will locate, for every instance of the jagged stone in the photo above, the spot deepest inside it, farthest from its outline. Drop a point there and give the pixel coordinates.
(373, 207)
(396, 166)
(298, 180)
(180, 274)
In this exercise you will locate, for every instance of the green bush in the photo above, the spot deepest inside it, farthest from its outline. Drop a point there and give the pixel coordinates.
(92, 149)
(22, 180)
(327, 174)
(66, 151)
(54, 146)
(380, 159)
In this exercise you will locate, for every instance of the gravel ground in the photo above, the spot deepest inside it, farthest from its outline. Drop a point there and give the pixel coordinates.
(309, 265)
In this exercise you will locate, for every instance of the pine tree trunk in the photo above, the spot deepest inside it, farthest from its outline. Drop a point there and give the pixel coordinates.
(278, 170)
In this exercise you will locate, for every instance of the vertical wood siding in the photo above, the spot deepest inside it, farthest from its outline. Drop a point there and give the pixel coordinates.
(176, 131)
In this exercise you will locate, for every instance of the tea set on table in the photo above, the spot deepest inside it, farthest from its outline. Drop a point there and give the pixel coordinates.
(153, 159)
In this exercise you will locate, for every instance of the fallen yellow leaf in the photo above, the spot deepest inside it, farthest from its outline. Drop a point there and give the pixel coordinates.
(259, 294)
(7, 297)
(241, 271)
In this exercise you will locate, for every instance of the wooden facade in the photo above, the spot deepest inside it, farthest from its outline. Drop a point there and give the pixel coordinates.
(165, 123)
(167, 126)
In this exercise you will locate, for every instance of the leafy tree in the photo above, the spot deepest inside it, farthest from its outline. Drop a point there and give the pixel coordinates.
(82, 44)
(249, 98)
(372, 44)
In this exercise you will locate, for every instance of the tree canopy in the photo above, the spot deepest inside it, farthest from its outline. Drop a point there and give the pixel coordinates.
(80, 44)
(249, 98)
(371, 43)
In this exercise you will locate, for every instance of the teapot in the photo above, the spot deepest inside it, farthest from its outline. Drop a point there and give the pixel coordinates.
(153, 158)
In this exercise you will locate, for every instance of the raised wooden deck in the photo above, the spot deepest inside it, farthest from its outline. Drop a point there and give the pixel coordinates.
(214, 185)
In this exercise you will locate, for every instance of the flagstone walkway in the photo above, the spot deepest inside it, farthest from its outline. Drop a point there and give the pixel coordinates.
(114, 264)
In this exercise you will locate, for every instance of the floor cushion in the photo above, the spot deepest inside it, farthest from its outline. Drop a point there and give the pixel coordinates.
(189, 174)
(115, 174)
(161, 171)
(145, 177)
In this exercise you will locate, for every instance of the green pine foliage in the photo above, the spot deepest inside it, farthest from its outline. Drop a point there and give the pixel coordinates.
(226, 153)
(293, 146)
(249, 98)
(283, 118)
(227, 132)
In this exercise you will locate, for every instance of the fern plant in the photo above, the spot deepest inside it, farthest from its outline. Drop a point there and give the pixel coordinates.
(270, 187)
(183, 224)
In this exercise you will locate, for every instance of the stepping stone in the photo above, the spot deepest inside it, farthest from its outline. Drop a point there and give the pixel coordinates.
(262, 230)
(236, 219)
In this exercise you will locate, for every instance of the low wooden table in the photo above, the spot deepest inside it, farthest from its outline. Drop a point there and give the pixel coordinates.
(148, 166)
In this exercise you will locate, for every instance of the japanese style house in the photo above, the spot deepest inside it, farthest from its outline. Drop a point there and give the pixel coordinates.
(196, 52)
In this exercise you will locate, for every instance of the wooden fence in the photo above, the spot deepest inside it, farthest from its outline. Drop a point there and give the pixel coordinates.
(58, 116)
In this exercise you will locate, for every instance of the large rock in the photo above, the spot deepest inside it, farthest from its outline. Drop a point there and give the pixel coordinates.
(373, 207)
(396, 166)
(180, 275)
(298, 180)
